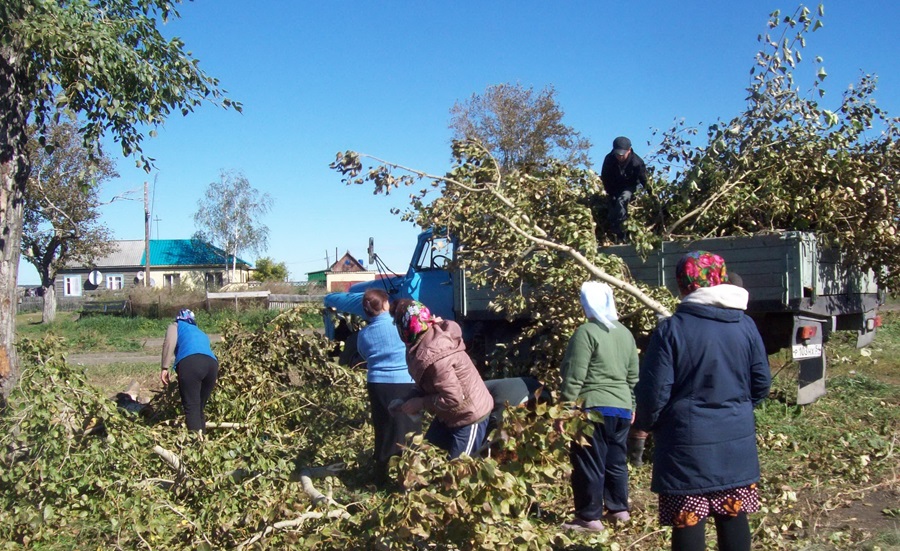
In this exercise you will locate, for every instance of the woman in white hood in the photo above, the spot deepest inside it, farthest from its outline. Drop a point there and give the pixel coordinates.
(600, 369)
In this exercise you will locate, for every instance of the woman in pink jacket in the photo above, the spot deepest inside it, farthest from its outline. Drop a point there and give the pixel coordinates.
(449, 384)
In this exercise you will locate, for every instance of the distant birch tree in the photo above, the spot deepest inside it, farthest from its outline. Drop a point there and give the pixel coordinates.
(228, 216)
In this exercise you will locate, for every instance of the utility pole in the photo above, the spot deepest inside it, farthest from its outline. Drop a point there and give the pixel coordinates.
(146, 234)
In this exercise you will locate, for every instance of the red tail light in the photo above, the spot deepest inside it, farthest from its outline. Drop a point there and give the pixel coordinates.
(873, 323)
(807, 332)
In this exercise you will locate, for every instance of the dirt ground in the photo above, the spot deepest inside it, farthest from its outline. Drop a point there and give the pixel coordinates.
(865, 513)
(142, 385)
(152, 348)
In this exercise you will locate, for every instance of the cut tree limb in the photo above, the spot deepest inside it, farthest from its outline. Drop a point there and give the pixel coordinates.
(293, 523)
(306, 476)
(595, 271)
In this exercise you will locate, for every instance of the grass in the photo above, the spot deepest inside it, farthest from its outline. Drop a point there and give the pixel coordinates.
(111, 333)
(95, 333)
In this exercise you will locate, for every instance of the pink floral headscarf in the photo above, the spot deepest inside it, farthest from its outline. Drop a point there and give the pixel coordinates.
(700, 269)
(416, 320)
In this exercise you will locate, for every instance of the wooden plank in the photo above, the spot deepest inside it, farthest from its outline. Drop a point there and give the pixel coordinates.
(238, 294)
(298, 299)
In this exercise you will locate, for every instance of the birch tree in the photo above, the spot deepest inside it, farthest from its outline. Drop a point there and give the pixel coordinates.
(228, 216)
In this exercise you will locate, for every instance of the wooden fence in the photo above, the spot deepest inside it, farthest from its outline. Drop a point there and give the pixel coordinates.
(273, 302)
(286, 302)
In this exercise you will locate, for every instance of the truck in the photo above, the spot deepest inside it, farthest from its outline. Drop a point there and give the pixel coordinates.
(800, 293)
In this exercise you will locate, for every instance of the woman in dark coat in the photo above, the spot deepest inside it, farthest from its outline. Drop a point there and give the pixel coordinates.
(704, 370)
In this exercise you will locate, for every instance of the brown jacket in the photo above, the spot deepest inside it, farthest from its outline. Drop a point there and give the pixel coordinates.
(443, 371)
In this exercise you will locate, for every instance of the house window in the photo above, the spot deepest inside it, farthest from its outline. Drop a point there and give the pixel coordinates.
(214, 279)
(72, 286)
(171, 280)
(114, 282)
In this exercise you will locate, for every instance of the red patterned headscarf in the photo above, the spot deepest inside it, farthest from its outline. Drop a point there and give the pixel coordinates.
(700, 269)
(415, 321)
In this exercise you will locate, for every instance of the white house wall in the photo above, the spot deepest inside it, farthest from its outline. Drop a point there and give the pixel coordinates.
(191, 278)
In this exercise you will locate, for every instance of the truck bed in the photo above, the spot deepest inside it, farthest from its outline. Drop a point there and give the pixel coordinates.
(785, 272)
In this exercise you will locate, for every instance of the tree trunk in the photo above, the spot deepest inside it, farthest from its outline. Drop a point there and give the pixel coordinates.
(14, 108)
(49, 312)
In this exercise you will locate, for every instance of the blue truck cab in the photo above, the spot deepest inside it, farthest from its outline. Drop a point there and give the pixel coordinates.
(428, 280)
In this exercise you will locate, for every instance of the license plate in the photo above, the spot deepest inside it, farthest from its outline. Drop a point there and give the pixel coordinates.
(801, 351)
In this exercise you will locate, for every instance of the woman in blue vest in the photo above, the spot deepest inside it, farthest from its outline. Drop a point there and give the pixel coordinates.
(195, 364)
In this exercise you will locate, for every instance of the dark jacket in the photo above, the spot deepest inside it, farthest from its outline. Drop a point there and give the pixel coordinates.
(617, 179)
(704, 370)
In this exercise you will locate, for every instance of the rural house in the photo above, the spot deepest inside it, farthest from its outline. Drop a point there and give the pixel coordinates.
(342, 274)
(188, 262)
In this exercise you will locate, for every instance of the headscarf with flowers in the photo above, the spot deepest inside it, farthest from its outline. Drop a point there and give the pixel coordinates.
(416, 320)
(700, 269)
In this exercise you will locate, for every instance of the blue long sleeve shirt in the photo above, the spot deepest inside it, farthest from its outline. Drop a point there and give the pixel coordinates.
(384, 352)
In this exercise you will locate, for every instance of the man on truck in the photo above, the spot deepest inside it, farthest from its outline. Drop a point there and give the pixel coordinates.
(621, 173)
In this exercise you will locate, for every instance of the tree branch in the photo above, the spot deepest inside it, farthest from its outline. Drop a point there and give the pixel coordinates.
(306, 476)
(707, 204)
(540, 239)
(595, 271)
(293, 523)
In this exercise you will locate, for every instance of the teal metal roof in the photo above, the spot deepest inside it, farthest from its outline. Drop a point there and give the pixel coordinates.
(186, 252)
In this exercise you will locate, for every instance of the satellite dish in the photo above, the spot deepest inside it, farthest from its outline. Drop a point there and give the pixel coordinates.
(152, 282)
(95, 277)
(140, 276)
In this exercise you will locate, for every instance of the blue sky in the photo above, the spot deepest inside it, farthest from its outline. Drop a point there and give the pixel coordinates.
(320, 77)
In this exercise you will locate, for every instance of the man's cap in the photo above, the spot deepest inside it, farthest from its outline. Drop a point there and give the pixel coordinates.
(621, 145)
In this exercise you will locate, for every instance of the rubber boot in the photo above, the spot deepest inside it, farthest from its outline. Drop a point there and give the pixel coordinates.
(636, 450)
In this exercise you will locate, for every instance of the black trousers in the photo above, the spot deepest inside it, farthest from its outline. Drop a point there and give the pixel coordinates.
(600, 471)
(197, 376)
(618, 213)
(390, 430)
(732, 534)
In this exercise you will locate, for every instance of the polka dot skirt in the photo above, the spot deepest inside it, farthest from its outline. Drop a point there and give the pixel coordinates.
(684, 511)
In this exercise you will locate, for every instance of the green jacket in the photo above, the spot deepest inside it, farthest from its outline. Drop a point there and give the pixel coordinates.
(600, 367)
